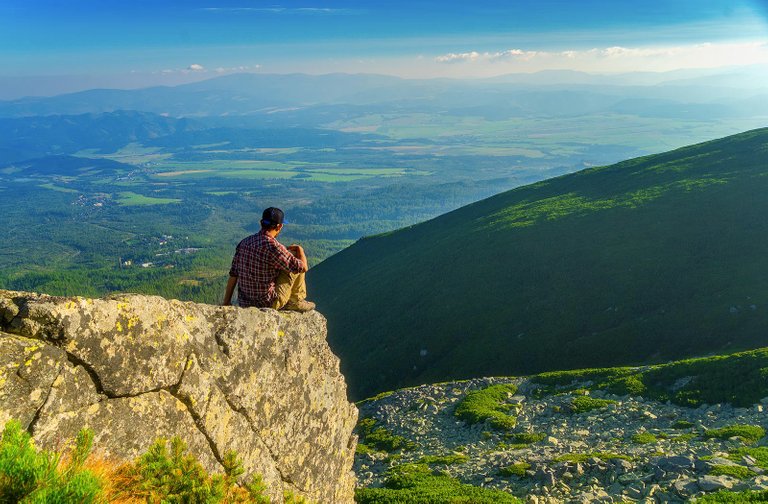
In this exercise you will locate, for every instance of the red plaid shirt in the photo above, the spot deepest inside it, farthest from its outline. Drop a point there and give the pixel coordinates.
(257, 262)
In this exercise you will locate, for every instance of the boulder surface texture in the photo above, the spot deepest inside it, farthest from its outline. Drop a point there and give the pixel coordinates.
(136, 368)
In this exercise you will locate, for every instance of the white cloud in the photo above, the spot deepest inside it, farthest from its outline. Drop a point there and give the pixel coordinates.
(197, 68)
(614, 58)
(241, 68)
(510, 54)
(458, 57)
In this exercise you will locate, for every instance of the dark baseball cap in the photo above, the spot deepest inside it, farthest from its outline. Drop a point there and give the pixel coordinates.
(273, 216)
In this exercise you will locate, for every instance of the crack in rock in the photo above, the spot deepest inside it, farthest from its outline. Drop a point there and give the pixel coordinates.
(196, 418)
(172, 389)
(150, 359)
(223, 346)
(77, 361)
(242, 411)
(39, 411)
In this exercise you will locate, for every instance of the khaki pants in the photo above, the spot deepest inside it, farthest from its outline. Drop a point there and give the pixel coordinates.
(289, 287)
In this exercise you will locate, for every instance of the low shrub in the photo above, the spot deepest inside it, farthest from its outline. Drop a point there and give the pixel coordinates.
(161, 475)
(383, 440)
(644, 438)
(627, 385)
(364, 449)
(416, 483)
(726, 496)
(488, 404)
(759, 453)
(737, 471)
(380, 439)
(683, 438)
(32, 476)
(749, 433)
(527, 437)
(582, 404)
(740, 379)
(453, 458)
(510, 446)
(377, 397)
(519, 469)
(682, 424)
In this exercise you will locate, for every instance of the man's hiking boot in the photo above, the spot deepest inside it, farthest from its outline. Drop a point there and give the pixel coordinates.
(300, 306)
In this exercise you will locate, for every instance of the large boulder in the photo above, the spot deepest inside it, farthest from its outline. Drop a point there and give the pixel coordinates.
(134, 368)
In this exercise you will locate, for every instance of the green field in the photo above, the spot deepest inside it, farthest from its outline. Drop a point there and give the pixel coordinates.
(58, 188)
(257, 170)
(340, 174)
(542, 136)
(133, 154)
(133, 199)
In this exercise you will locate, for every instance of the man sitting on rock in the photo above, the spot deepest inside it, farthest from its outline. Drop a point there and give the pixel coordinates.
(267, 274)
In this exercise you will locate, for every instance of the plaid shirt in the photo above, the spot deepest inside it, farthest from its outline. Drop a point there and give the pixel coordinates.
(257, 262)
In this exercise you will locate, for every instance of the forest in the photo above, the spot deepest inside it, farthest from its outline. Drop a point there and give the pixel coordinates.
(150, 190)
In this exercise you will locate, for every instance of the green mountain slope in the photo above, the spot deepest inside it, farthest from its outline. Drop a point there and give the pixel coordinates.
(655, 258)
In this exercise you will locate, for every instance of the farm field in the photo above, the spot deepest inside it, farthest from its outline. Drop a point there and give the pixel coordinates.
(145, 202)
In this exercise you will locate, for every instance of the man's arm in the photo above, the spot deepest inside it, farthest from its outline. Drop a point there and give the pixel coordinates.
(298, 251)
(229, 291)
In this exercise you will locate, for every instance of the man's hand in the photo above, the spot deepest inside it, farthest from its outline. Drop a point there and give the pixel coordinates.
(298, 251)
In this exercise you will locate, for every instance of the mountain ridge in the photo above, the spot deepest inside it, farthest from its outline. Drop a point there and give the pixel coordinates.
(257, 94)
(601, 267)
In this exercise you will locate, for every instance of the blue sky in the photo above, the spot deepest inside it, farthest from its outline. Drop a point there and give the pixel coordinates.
(154, 41)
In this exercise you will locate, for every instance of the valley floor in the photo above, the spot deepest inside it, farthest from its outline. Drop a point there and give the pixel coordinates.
(572, 446)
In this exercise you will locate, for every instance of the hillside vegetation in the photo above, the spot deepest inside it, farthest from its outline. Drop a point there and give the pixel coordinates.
(686, 431)
(150, 190)
(650, 259)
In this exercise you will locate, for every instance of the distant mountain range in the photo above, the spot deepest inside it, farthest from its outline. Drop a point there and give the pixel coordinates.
(651, 259)
(24, 138)
(273, 98)
(30, 137)
(67, 166)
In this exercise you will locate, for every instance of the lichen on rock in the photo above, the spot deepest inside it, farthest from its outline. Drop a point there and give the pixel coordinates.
(134, 368)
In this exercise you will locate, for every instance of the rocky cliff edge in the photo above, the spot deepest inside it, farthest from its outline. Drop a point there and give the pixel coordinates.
(134, 368)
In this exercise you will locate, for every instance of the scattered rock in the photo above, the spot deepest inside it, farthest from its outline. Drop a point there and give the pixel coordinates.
(710, 483)
(587, 457)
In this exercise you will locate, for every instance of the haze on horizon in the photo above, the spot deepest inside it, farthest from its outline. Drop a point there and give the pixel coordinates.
(50, 46)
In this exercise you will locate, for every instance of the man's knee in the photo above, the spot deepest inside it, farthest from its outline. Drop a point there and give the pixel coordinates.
(284, 288)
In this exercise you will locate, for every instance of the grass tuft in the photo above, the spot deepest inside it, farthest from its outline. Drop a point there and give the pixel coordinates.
(453, 458)
(519, 469)
(749, 433)
(380, 439)
(527, 437)
(759, 453)
(417, 483)
(583, 404)
(644, 438)
(728, 497)
(488, 404)
(740, 379)
(738, 472)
